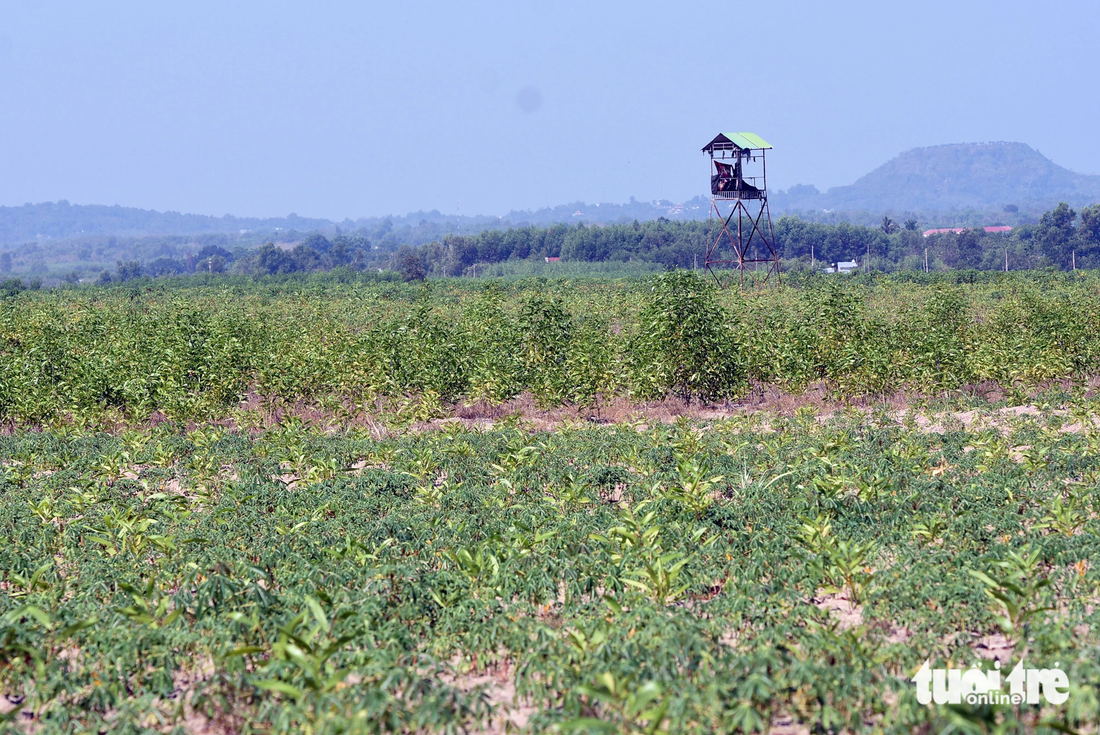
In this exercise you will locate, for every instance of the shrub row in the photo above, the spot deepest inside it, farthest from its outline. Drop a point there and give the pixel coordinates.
(194, 352)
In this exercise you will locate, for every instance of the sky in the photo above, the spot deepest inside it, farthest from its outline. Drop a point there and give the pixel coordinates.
(354, 109)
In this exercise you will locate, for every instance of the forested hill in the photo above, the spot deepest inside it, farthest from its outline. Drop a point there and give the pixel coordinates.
(61, 220)
(1009, 182)
(953, 177)
(57, 220)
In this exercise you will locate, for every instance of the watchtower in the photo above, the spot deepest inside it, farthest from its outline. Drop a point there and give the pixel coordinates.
(739, 191)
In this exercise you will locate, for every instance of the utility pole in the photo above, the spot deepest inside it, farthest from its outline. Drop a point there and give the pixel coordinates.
(1006, 260)
(1073, 255)
(811, 256)
(926, 260)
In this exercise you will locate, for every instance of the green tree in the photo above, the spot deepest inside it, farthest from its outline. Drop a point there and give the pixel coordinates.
(889, 226)
(209, 251)
(11, 286)
(411, 267)
(340, 253)
(1055, 234)
(166, 267)
(127, 270)
(1088, 233)
(970, 248)
(305, 257)
(271, 260)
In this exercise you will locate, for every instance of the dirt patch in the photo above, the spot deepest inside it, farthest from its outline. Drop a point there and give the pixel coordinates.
(993, 648)
(784, 724)
(384, 417)
(1020, 411)
(10, 703)
(499, 690)
(841, 608)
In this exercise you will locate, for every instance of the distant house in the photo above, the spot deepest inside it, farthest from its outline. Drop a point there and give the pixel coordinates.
(846, 266)
(552, 260)
(957, 230)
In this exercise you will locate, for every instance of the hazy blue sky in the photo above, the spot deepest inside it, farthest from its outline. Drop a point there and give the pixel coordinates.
(347, 109)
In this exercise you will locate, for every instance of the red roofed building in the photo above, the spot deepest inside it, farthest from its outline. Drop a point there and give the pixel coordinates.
(552, 260)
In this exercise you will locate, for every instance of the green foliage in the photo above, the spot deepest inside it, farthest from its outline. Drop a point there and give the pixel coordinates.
(843, 565)
(411, 266)
(170, 575)
(196, 353)
(11, 287)
(439, 247)
(686, 344)
(1014, 589)
(1055, 233)
(627, 709)
(695, 488)
(127, 270)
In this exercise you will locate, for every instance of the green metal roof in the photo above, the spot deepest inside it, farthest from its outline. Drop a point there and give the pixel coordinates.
(745, 141)
(755, 140)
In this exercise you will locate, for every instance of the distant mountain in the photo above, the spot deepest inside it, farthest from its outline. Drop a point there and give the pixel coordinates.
(605, 213)
(937, 183)
(62, 220)
(51, 221)
(953, 177)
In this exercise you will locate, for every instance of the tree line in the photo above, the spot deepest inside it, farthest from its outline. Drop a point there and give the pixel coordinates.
(1063, 238)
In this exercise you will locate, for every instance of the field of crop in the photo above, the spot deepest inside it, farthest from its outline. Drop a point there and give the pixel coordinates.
(181, 552)
(96, 355)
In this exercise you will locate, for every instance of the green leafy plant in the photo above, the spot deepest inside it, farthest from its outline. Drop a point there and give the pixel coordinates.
(150, 605)
(627, 708)
(1014, 587)
(696, 488)
(1065, 518)
(844, 565)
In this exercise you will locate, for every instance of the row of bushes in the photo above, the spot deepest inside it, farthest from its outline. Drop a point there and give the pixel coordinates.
(196, 352)
(1063, 239)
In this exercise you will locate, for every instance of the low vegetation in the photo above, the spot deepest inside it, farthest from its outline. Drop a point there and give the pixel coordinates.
(194, 353)
(182, 553)
(719, 577)
(1061, 238)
